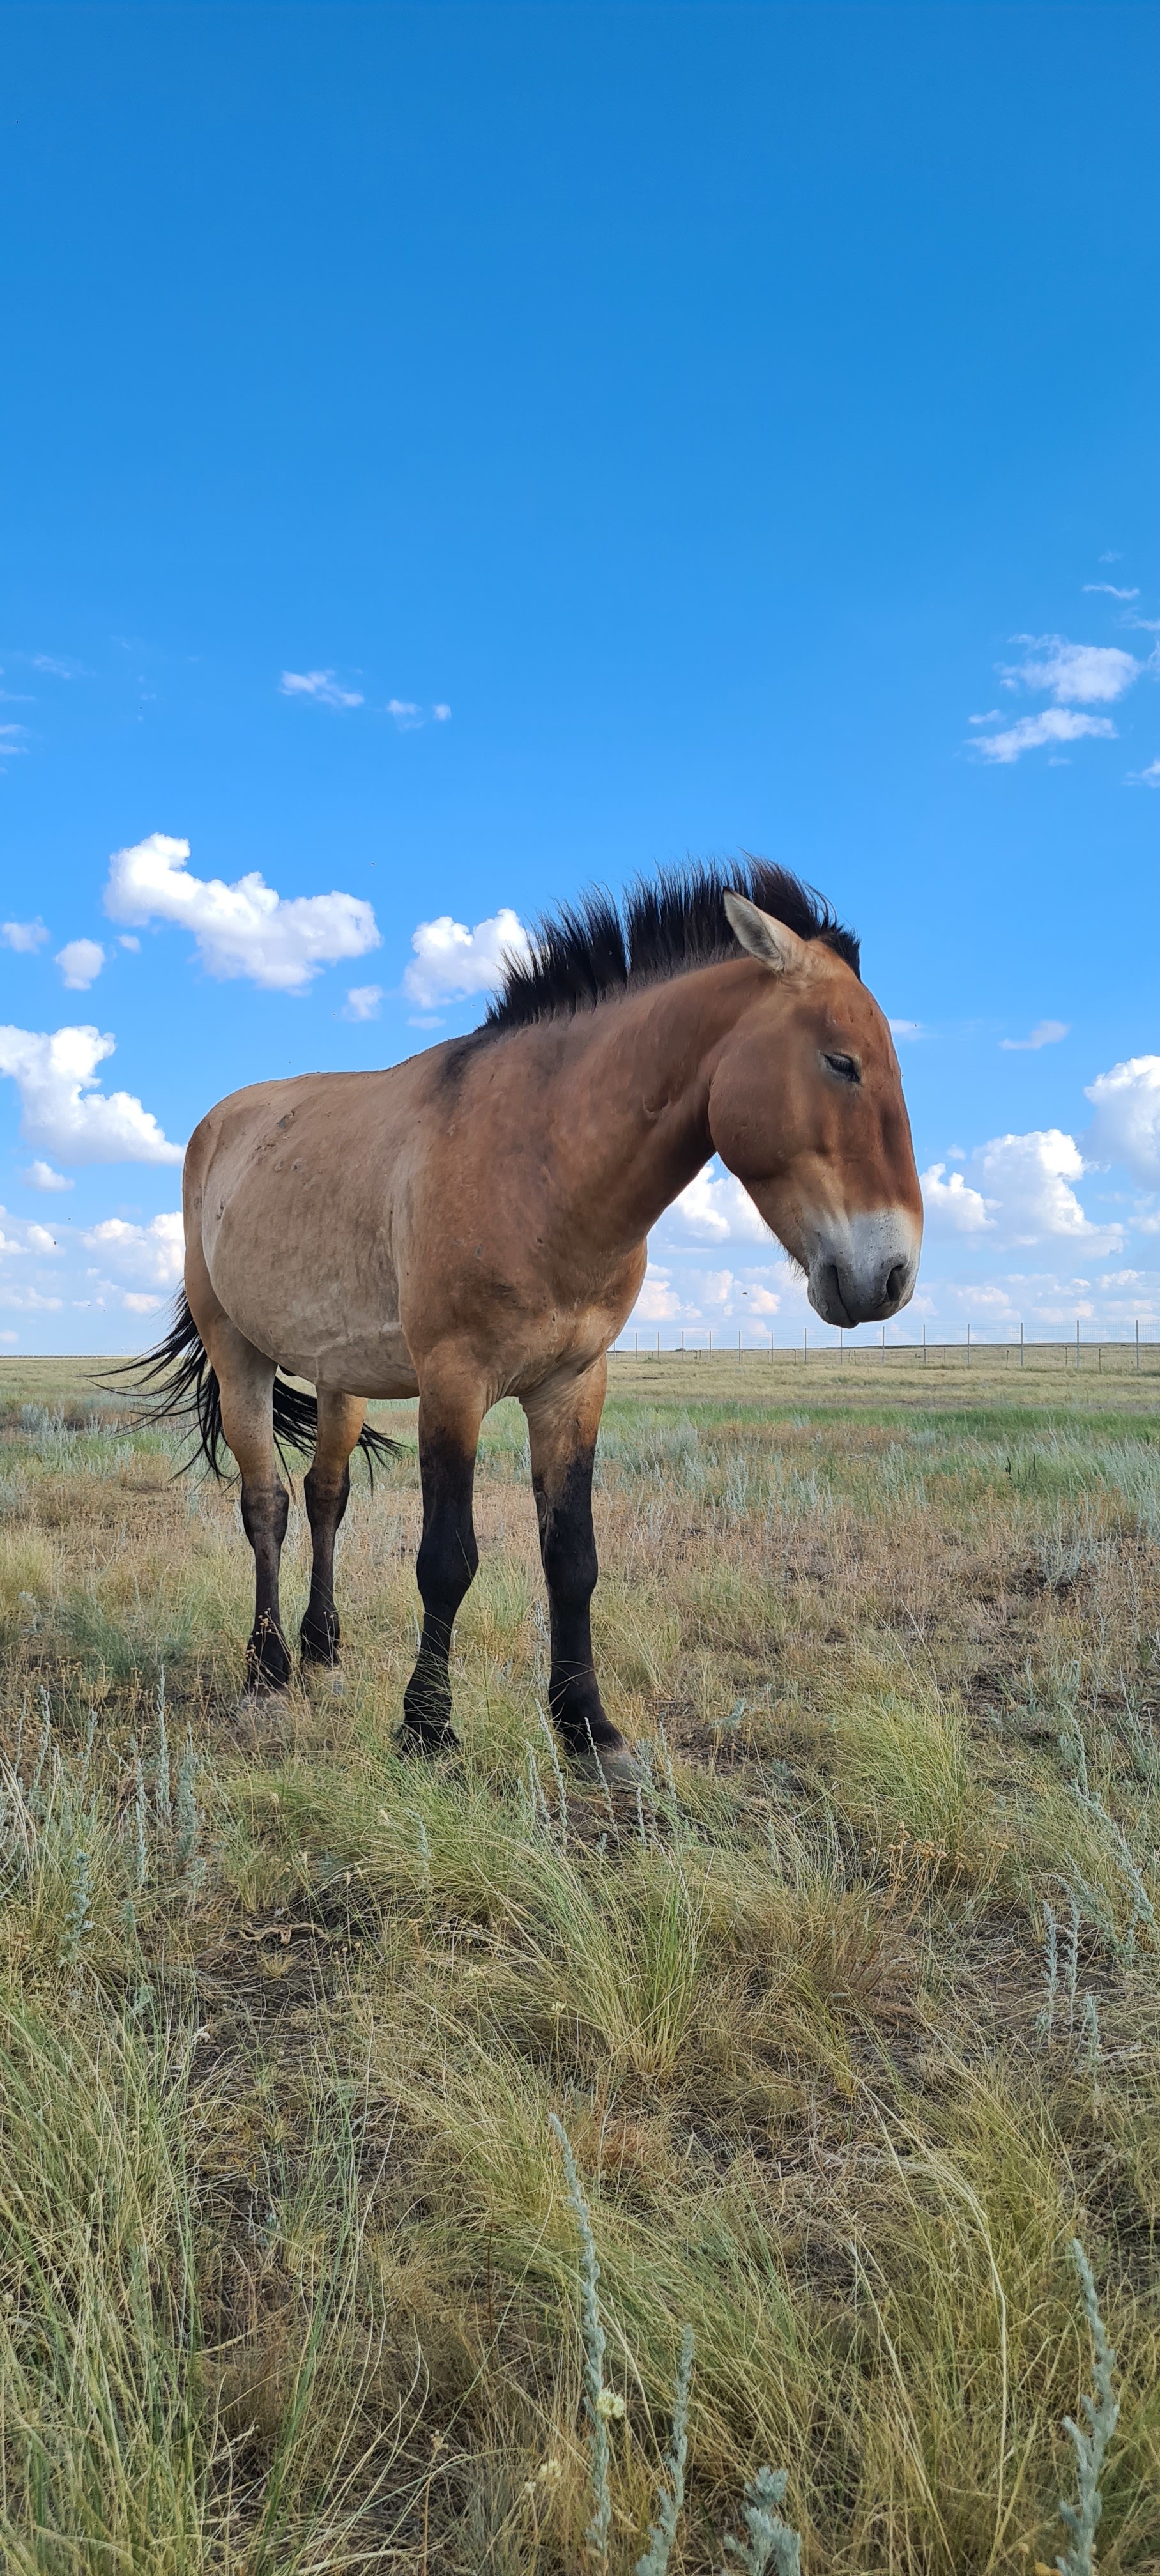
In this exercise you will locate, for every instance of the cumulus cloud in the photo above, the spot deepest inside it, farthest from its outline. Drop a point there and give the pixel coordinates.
(1073, 674)
(1020, 1190)
(1126, 1126)
(441, 713)
(150, 1255)
(658, 1302)
(281, 943)
(951, 1207)
(408, 717)
(1027, 1182)
(63, 1107)
(1045, 1033)
(319, 685)
(907, 1029)
(1054, 724)
(362, 1002)
(1149, 777)
(41, 1176)
(80, 962)
(24, 936)
(451, 961)
(1112, 589)
(716, 1209)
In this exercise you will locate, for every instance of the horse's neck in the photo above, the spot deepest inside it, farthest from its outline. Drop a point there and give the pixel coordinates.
(643, 1070)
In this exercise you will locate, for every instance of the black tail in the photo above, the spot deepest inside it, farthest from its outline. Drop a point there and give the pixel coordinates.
(182, 1385)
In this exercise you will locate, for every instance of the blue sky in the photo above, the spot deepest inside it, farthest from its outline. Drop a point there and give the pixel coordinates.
(452, 454)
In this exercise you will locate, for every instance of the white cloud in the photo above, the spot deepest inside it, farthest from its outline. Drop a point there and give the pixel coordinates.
(151, 1255)
(241, 929)
(80, 962)
(54, 669)
(1055, 724)
(716, 1209)
(658, 1302)
(41, 1176)
(1149, 777)
(1126, 1126)
(1045, 1033)
(63, 1109)
(19, 1236)
(320, 685)
(1027, 1184)
(362, 1002)
(408, 717)
(441, 714)
(951, 1207)
(1074, 674)
(1112, 590)
(452, 961)
(12, 743)
(1020, 1191)
(907, 1029)
(24, 936)
(128, 939)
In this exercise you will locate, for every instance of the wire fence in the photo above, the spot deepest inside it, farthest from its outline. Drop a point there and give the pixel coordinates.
(1135, 1353)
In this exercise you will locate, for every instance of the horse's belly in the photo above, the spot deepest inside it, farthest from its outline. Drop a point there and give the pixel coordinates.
(315, 1291)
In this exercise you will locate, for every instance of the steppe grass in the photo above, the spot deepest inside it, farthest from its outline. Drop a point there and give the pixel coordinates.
(849, 2020)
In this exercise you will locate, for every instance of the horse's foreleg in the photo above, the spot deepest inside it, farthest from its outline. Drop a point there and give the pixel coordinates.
(450, 1413)
(246, 1381)
(563, 1421)
(326, 1488)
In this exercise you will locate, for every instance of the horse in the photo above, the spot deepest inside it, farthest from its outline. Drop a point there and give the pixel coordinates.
(472, 1223)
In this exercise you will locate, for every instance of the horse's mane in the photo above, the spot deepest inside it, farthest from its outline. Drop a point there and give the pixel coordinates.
(586, 952)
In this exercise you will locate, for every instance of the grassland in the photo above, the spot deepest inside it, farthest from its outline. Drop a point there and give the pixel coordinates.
(852, 2022)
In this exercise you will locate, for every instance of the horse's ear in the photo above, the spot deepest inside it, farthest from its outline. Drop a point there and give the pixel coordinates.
(770, 941)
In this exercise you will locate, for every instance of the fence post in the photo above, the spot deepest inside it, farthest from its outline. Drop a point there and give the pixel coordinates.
(805, 1343)
(1021, 1346)
(968, 1346)
(1077, 1341)
(1137, 1341)
(710, 1346)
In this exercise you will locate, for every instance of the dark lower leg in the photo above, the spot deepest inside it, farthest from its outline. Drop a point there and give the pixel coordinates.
(446, 1563)
(324, 1510)
(327, 1491)
(265, 1511)
(562, 1430)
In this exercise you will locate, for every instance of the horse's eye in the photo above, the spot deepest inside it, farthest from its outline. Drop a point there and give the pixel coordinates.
(844, 1066)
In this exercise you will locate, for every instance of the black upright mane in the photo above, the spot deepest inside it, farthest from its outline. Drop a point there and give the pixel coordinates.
(588, 951)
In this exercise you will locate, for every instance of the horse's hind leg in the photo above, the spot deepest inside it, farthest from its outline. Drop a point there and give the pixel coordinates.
(563, 1420)
(246, 1384)
(327, 1491)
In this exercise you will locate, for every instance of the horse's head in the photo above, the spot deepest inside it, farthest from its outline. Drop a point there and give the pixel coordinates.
(806, 1107)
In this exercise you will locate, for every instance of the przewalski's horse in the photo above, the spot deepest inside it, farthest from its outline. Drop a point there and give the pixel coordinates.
(472, 1224)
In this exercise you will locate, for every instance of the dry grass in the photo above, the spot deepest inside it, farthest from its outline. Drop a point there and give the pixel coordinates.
(288, 2274)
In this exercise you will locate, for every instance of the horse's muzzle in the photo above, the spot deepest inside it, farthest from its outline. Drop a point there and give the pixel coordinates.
(864, 1270)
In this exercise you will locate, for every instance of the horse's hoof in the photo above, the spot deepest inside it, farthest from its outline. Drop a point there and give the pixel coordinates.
(422, 1744)
(606, 1766)
(323, 1681)
(264, 1717)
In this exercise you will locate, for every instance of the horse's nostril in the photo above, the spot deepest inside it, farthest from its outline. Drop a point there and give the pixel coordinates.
(896, 1284)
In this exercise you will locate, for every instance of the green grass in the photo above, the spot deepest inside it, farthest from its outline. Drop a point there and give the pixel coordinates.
(289, 2276)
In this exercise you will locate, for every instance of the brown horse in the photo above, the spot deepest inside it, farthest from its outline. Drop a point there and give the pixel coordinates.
(472, 1224)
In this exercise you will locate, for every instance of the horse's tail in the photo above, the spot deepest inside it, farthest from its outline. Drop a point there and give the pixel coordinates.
(181, 1385)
